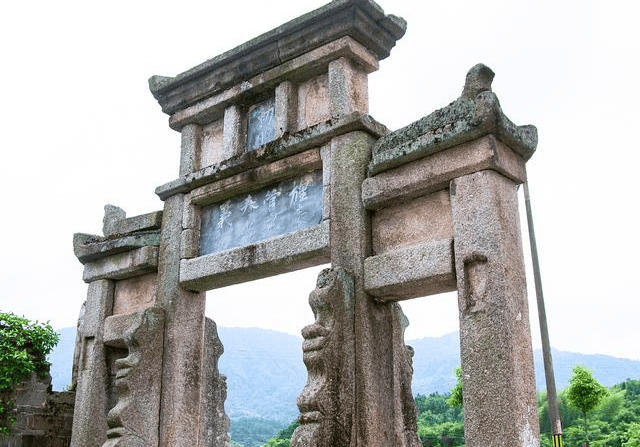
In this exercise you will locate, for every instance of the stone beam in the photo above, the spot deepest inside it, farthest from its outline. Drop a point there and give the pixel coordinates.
(411, 272)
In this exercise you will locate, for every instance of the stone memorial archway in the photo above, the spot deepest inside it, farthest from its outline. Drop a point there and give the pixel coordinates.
(282, 168)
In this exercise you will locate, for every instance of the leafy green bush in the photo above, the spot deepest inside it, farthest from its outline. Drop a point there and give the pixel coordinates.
(24, 347)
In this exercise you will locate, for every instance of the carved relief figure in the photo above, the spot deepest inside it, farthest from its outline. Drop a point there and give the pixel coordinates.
(330, 379)
(133, 421)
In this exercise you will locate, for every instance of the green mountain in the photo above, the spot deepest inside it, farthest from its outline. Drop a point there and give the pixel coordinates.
(265, 373)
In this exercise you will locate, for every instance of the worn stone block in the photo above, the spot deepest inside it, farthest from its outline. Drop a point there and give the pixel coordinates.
(134, 294)
(123, 265)
(233, 132)
(286, 108)
(90, 248)
(411, 271)
(190, 148)
(124, 226)
(313, 102)
(293, 251)
(435, 171)
(253, 179)
(495, 340)
(347, 88)
(190, 246)
(419, 220)
(212, 147)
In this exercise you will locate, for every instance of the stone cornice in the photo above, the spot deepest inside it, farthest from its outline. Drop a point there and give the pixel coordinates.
(363, 20)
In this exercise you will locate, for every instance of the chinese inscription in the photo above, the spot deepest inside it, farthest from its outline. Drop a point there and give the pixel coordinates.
(279, 209)
(261, 124)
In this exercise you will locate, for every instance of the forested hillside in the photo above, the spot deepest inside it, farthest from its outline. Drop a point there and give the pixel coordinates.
(265, 373)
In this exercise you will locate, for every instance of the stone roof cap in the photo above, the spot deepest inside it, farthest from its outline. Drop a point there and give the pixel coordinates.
(474, 114)
(362, 20)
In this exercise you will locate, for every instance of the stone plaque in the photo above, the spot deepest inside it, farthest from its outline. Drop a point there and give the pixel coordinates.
(279, 209)
(261, 124)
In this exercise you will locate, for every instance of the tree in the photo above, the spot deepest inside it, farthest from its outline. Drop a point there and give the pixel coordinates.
(24, 347)
(584, 393)
(455, 400)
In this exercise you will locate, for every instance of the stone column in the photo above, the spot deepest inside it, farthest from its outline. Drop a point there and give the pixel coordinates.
(91, 391)
(495, 342)
(184, 338)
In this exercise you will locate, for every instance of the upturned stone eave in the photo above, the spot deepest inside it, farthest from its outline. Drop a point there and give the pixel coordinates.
(363, 20)
(474, 114)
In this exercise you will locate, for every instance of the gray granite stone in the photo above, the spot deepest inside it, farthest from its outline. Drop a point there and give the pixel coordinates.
(363, 20)
(122, 226)
(90, 248)
(495, 340)
(281, 254)
(123, 265)
(466, 119)
(286, 146)
(411, 272)
(434, 172)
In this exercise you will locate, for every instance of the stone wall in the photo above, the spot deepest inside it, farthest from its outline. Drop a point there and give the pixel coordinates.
(43, 418)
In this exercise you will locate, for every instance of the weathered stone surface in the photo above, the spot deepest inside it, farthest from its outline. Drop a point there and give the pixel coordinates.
(435, 171)
(191, 139)
(327, 402)
(411, 272)
(288, 145)
(183, 338)
(423, 219)
(497, 360)
(363, 20)
(214, 423)
(299, 70)
(90, 248)
(42, 418)
(211, 149)
(89, 418)
(348, 88)
(286, 106)
(133, 422)
(281, 254)
(313, 102)
(467, 118)
(123, 265)
(253, 179)
(118, 225)
(134, 294)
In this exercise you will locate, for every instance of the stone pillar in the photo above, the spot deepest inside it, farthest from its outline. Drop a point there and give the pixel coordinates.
(184, 337)
(90, 420)
(495, 342)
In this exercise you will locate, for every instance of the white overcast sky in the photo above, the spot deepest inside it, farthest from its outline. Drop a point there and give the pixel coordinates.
(80, 129)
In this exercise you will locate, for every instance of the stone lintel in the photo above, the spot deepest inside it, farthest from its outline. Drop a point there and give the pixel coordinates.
(435, 171)
(298, 69)
(475, 114)
(288, 145)
(363, 20)
(143, 222)
(91, 248)
(281, 254)
(411, 272)
(123, 265)
(257, 178)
